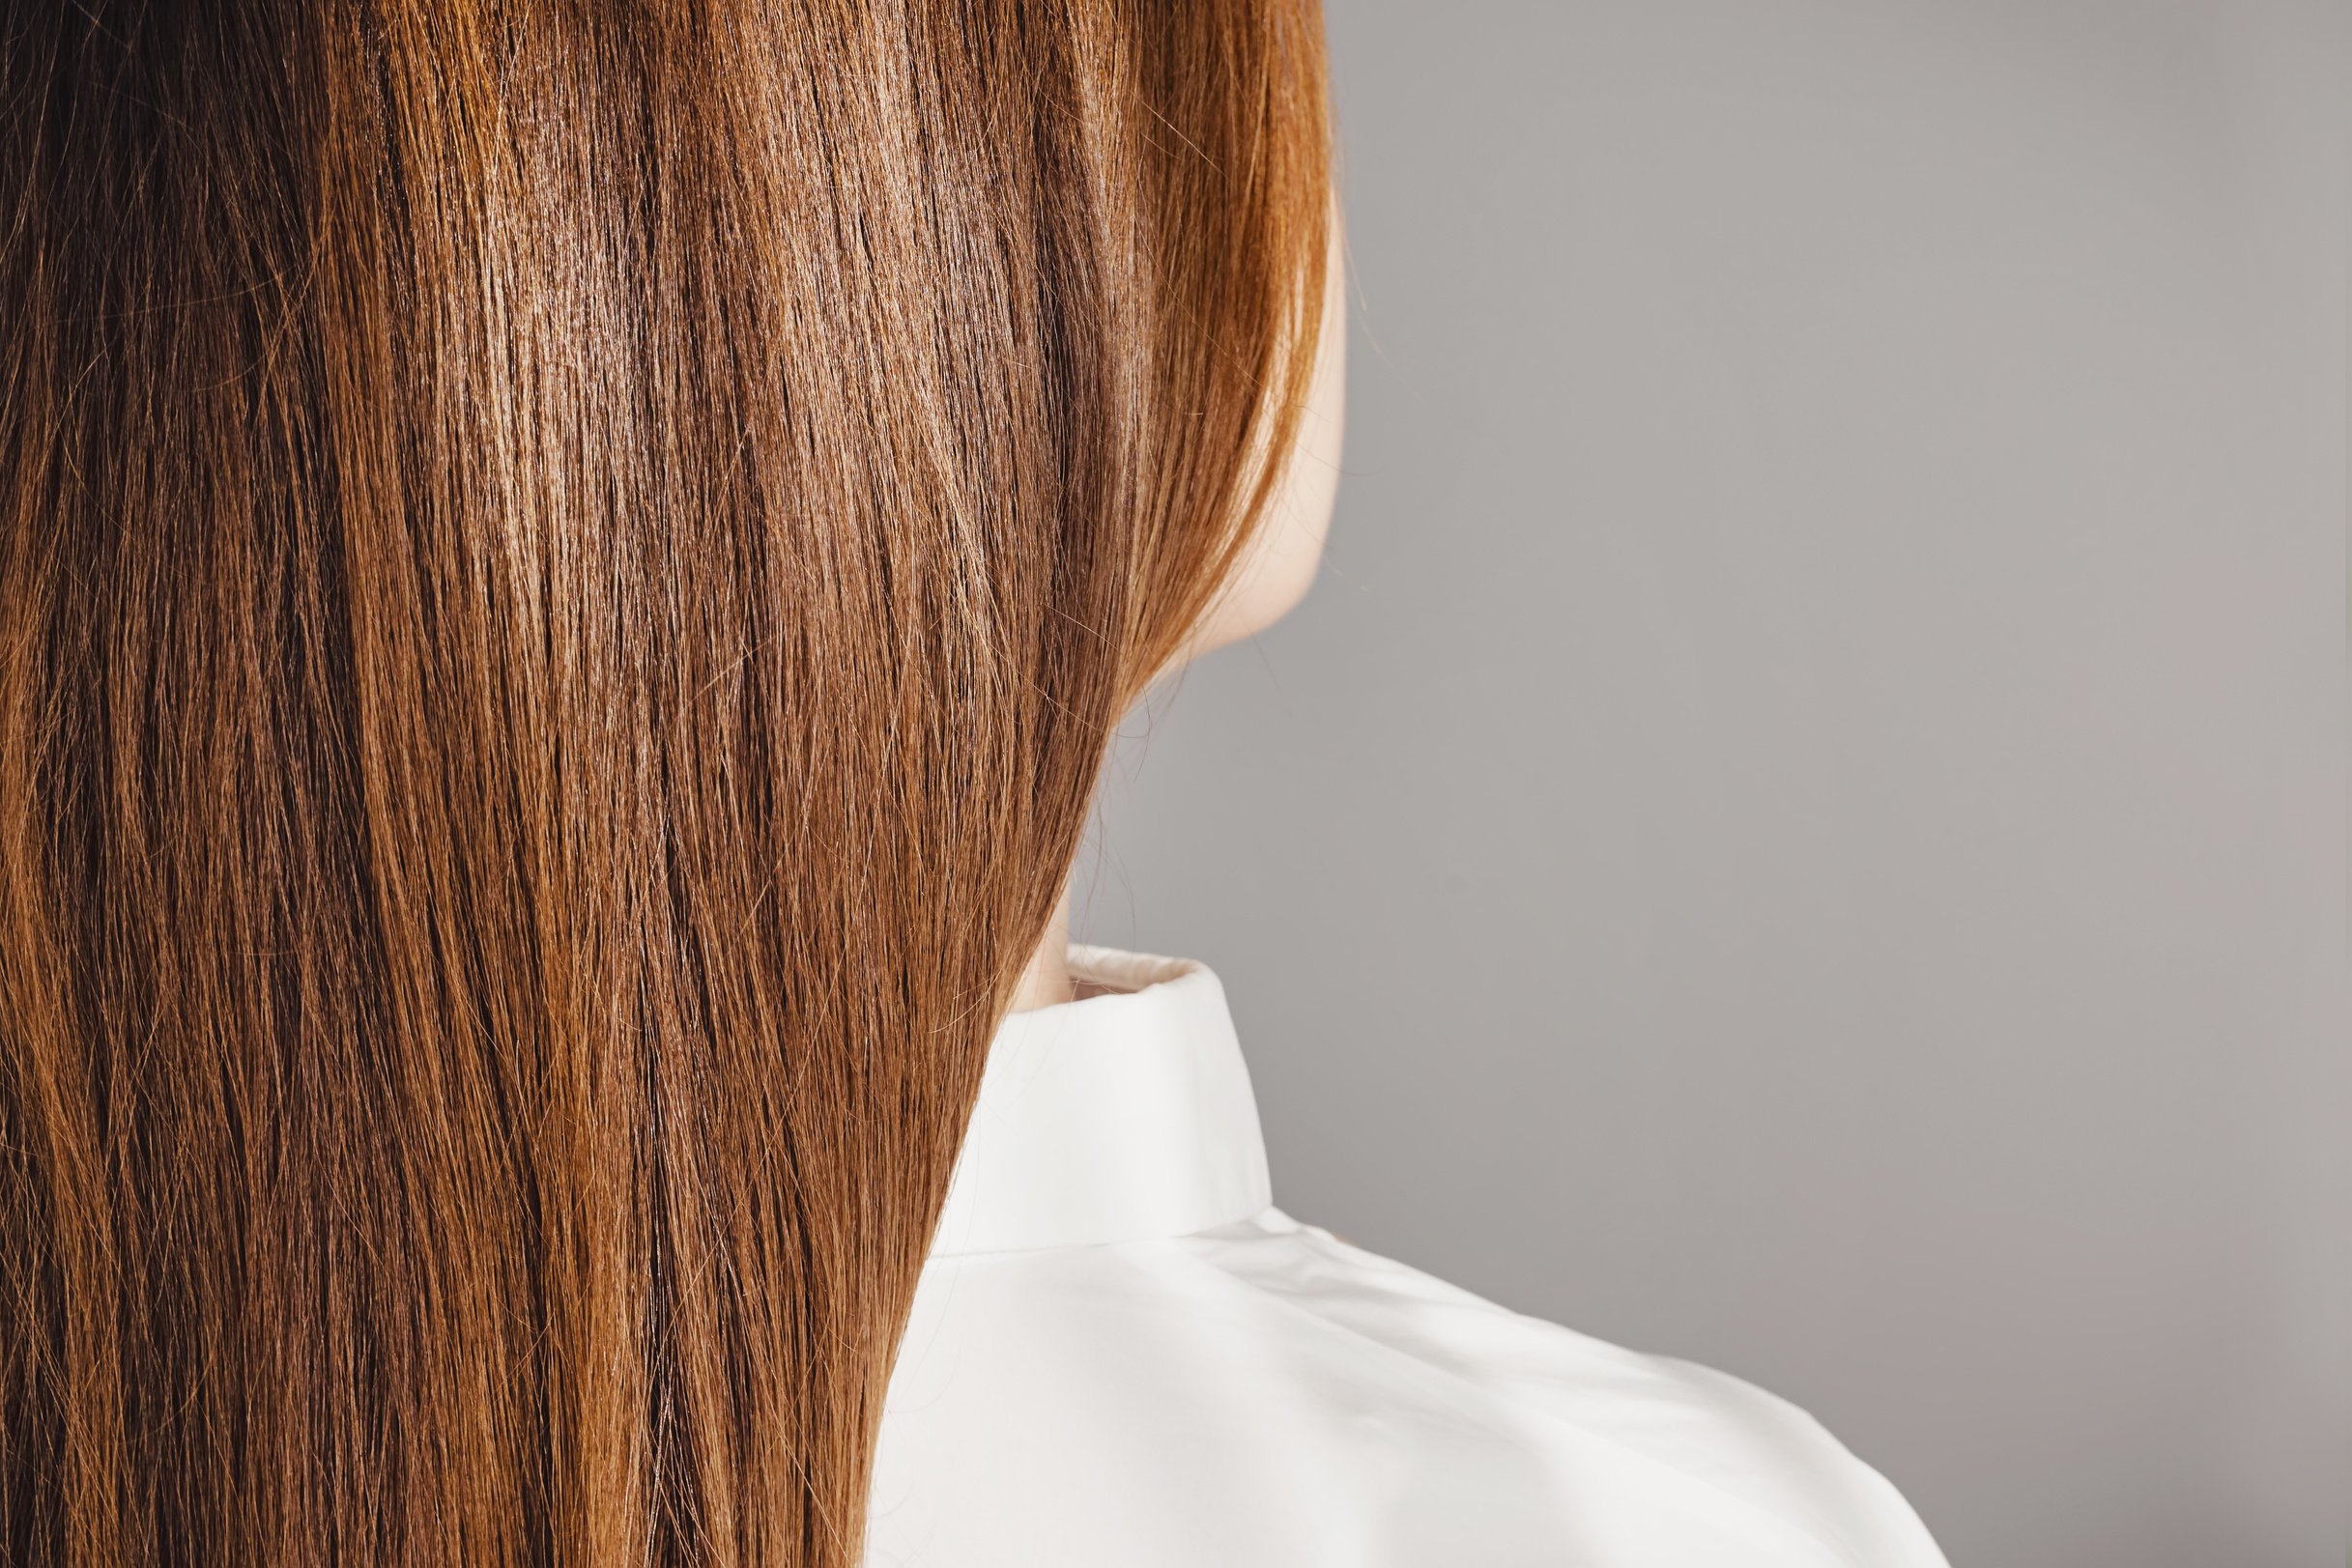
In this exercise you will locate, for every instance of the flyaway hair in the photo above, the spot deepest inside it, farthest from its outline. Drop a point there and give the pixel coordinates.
(567, 570)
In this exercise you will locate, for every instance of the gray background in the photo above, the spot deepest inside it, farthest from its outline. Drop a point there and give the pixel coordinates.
(1804, 824)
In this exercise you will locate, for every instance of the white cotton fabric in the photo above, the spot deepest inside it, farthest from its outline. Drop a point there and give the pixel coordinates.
(1123, 1356)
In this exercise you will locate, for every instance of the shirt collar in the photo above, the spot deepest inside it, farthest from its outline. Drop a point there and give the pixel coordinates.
(1113, 1118)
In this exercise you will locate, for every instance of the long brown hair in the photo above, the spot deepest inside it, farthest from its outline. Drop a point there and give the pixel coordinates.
(565, 570)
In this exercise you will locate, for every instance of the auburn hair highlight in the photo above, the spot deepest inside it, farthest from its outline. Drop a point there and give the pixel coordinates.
(566, 569)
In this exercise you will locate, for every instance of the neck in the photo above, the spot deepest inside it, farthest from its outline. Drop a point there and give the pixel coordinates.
(1047, 980)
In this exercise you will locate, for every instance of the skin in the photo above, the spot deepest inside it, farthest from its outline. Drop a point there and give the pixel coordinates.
(1270, 579)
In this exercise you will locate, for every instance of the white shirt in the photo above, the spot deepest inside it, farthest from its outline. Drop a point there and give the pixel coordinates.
(1122, 1354)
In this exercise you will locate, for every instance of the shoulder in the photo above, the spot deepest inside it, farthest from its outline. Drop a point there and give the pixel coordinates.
(1597, 1407)
(1265, 1393)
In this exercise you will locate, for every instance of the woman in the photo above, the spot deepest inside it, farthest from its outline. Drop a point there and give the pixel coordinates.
(567, 571)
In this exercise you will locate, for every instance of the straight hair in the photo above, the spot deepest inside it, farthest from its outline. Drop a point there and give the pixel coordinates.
(567, 570)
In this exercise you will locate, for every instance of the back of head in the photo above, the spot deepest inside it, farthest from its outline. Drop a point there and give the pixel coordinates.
(565, 572)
